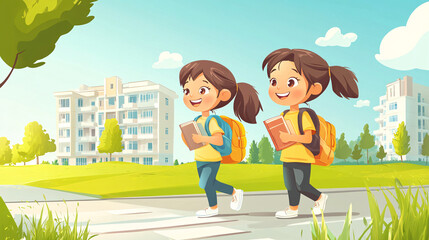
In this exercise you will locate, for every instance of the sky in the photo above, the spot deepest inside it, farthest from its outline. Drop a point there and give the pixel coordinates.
(126, 38)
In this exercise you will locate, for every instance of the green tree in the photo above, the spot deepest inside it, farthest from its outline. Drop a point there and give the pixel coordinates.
(266, 151)
(17, 155)
(366, 140)
(425, 147)
(381, 154)
(31, 28)
(370, 160)
(36, 142)
(401, 141)
(55, 162)
(342, 150)
(253, 153)
(277, 156)
(111, 138)
(357, 153)
(176, 162)
(5, 151)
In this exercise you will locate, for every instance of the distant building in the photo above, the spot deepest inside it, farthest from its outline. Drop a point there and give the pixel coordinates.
(144, 110)
(404, 101)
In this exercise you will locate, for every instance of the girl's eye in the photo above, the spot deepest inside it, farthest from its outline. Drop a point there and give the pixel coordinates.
(204, 90)
(292, 82)
(186, 91)
(273, 82)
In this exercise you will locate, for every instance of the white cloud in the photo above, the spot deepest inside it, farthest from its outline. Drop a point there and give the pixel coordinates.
(361, 103)
(407, 47)
(169, 60)
(333, 37)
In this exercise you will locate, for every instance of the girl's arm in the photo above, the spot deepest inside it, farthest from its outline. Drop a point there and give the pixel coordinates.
(305, 138)
(215, 139)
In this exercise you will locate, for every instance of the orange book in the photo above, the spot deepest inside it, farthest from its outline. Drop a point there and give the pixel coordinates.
(274, 126)
(188, 129)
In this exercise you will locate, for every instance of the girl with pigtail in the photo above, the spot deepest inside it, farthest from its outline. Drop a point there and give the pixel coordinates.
(207, 86)
(298, 76)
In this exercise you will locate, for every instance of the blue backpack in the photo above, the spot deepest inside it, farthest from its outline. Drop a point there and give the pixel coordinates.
(225, 149)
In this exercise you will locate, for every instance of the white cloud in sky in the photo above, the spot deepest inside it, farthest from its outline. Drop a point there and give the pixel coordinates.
(407, 47)
(169, 60)
(333, 37)
(362, 103)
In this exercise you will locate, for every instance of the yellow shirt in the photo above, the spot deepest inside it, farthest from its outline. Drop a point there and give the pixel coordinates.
(207, 153)
(298, 152)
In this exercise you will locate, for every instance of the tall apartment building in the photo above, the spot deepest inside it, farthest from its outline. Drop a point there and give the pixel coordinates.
(404, 101)
(144, 110)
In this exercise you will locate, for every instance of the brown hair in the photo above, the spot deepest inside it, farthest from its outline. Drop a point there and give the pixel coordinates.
(246, 103)
(316, 70)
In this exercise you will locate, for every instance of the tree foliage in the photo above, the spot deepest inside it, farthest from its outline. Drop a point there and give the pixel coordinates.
(36, 142)
(277, 156)
(253, 153)
(31, 28)
(5, 151)
(381, 154)
(111, 138)
(357, 153)
(425, 147)
(176, 162)
(342, 150)
(17, 155)
(401, 140)
(266, 151)
(366, 140)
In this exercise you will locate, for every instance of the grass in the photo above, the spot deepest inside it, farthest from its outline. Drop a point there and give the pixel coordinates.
(118, 179)
(410, 223)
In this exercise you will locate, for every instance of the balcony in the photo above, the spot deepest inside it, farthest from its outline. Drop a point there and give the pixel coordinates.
(64, 109)
(88, 109)
(146, 104)
(87, 124)
(379, 132)
(378, 108)
(129, 120)
(87, 153)
(379, 120)
(129, 151)
(87, 139)
(63, 154)
(145, 120)
(129, 136)
(64, 139)
(145, 136)
(129, 105)
(64, 125)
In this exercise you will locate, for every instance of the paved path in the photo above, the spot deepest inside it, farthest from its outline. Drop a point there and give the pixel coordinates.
(172, 217)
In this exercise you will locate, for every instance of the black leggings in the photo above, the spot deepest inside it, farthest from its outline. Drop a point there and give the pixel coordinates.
(297, 181)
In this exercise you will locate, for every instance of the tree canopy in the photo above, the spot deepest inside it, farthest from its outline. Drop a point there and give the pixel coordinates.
(401, 140)
(111, 138)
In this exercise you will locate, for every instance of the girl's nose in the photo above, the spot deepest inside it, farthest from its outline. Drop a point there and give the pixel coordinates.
(278, 87)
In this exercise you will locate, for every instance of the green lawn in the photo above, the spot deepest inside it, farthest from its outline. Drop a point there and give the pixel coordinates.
(117, 179)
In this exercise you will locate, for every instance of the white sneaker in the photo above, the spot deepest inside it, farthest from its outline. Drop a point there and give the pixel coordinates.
(208, 212)
(320, 204)
(237, 200)
(287, 214)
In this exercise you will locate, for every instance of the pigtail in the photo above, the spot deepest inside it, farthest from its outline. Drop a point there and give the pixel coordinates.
(344, 82)
(246, 103)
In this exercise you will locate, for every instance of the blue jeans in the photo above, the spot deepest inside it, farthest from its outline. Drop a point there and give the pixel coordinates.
(297, 181)
(207, 172)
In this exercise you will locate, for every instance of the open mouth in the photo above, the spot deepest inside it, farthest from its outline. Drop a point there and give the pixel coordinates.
(282, 95)
(196, 103)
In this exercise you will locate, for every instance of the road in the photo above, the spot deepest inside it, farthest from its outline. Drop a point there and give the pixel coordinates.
(172, 217)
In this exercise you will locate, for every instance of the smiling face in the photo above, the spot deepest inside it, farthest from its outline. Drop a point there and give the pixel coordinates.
(199, 94)
(287, 86)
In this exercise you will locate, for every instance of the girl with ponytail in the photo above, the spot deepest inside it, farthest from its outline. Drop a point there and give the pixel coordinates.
(297, 76)
(207, 86)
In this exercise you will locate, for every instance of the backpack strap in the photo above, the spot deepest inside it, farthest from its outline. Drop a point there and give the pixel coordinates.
(314, 145)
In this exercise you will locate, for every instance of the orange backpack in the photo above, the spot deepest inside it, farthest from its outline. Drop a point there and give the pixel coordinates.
(238, 141)
(323, 143)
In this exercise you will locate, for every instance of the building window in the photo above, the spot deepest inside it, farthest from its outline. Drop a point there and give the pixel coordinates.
(423, 111)
(147, 114)
(92, 146)
(132, 145)
(100, 119)
(67, 149)
(166, 101)
(132, 130)
(132, 114)
(92, 117)
(384, 123)
(80, 147)
(147, 130)
(393, 106)
(112, 101)
(93, 103)
(423, 121)
(64, 103)
(419, 97)
(132, 99)
(111, 86)
(149, 147)
(146, 97)
(419, 110)
(166, 160)
(393, 118)
(80, 117)
(420, 149)
(166, 131)
(166, 116)
(121, 159)
(121, 101)
(64, 161)
(166, 146)
(420, 124)
(147, 160)
(80, 161)
(420, 136)
(135, 159)
(390, 146)
(80, 133)
(94, 160)
(80, 102)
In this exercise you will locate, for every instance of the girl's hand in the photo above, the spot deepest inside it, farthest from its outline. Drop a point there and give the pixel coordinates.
(285, 137)
(197, 138)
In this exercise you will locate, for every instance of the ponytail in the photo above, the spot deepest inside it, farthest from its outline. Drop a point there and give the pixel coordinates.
(343, 82)
(246, 103)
